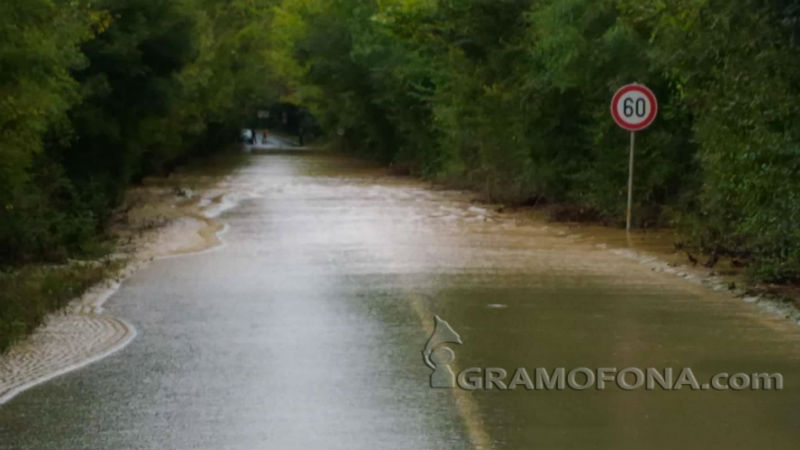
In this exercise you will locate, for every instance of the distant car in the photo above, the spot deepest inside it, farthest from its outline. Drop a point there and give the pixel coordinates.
(248, 136)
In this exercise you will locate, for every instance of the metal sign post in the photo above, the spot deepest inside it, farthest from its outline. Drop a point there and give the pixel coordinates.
(630, 182)
(634, 107)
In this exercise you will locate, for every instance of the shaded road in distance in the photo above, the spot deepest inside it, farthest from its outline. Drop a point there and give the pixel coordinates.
(305, 331)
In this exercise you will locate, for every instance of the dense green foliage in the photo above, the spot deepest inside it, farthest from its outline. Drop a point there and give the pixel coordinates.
(506, 96)
(97, 95)
(511, 97)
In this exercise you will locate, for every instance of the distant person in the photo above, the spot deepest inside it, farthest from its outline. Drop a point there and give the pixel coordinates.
(305, 127)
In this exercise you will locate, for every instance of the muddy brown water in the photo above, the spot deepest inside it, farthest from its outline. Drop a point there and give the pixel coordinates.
(304, 330)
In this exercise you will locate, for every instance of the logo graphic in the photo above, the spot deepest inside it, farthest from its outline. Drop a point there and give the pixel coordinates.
(438, 357)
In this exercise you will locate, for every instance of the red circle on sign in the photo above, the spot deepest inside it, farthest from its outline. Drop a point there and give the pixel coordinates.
(621, 121)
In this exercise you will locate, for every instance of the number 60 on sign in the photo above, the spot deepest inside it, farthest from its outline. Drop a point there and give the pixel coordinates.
(634, 107)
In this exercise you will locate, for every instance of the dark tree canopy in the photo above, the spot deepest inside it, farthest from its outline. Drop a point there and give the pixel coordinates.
(509, 97)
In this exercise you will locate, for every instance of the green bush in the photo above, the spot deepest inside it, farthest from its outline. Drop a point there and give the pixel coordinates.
(98, 95)
(511, 97)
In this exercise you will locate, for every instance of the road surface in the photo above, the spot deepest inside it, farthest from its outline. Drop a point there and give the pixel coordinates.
(305, 330)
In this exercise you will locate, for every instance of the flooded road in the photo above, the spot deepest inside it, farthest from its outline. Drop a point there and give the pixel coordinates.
(304, 330)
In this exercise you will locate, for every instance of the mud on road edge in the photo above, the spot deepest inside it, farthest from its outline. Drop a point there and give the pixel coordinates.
(163, 217)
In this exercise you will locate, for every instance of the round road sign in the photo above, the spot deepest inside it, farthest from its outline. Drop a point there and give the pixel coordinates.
(634, 107)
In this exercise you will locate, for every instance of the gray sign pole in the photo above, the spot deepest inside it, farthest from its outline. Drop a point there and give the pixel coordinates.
(634, 107)
(630, 182)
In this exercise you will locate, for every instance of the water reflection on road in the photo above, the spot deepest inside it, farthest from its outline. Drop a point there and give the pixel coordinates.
(305, 331)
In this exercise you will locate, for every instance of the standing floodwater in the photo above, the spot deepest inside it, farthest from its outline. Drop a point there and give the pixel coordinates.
(305, 330)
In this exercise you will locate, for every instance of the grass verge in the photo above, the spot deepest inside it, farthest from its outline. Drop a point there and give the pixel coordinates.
(29, 293)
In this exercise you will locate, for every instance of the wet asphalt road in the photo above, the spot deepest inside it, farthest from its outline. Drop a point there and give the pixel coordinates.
(305, 330)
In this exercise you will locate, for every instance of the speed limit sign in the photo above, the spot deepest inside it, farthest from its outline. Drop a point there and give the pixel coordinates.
(634, 107)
